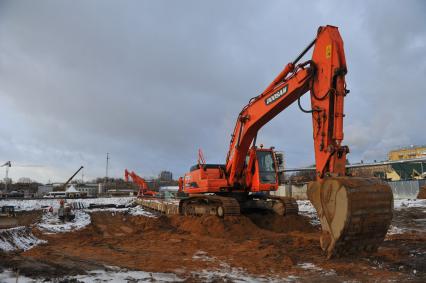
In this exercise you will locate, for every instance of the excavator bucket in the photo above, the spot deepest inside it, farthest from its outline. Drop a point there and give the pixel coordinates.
(355, 213)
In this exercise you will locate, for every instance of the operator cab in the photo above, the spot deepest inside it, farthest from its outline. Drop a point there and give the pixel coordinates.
(267, 167)
(261, 169)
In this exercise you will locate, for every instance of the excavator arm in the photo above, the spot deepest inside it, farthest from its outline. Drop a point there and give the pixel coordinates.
(355, 213)
(257, 113)
(324, 77)
(143, 186)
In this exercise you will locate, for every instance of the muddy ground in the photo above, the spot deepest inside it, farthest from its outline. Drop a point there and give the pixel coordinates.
(257, 245)
(22, 218)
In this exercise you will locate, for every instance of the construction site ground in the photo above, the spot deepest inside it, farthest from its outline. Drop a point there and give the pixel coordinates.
(255, 247)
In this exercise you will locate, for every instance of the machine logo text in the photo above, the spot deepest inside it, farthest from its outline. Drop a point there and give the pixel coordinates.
(276, 95)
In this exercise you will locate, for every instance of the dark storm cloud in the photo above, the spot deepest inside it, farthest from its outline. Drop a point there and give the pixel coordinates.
(151, 81)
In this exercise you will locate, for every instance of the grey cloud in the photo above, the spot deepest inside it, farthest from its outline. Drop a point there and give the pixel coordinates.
(152, 81)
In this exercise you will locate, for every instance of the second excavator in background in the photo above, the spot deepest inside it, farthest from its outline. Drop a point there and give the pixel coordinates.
(355, 213)
(144, 191)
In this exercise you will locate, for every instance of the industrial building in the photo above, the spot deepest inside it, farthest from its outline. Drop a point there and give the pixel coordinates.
(407, 153)
(408, 171)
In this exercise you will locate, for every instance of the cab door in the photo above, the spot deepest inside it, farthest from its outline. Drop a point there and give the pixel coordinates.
(265, 176)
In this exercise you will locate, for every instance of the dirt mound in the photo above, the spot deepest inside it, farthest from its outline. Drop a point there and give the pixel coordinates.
(242, 227)
(282, 224)
(235, 227)
(110, 224)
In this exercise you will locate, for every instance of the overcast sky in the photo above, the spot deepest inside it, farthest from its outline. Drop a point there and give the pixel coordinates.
(150, 82)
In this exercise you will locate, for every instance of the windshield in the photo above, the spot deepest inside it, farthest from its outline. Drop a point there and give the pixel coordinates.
(266, 164)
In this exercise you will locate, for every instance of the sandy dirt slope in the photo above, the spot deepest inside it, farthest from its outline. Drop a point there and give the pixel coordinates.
(256, 245)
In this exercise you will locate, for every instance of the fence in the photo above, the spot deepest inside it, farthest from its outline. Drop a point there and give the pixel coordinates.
(400, 189)
(406, 189)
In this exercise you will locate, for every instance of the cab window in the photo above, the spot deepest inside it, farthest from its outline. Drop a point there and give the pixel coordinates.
(267, 171)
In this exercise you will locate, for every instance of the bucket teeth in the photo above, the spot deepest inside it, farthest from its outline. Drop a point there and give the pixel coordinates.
(355, 213)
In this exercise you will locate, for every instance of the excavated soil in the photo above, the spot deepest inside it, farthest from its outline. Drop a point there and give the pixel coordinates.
(21, 218)
(422, 193)
(259, 244)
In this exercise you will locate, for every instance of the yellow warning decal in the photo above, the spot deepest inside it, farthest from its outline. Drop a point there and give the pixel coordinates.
(328, 51)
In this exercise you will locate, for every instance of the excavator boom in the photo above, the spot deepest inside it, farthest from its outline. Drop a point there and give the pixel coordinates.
(143, 186)
(324, 77)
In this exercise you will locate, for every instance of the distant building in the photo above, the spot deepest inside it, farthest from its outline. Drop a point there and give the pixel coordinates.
(165, 176)
(407, 153)
(90, 190)
(408, 171)
(44, 190)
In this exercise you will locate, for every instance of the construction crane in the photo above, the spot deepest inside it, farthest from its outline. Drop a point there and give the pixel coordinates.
(63, 187)
(8, 165)
(355, 213)
(144, 191)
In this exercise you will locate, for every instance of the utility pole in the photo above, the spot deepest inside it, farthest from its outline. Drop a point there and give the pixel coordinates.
(8, 164)
(107, 164)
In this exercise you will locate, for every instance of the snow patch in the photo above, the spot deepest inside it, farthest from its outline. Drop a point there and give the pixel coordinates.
(37, 204)
(110, 275)
(18, 238)
(134, 211)
(202, 256)
(126, 276)
(407, 203)
(226, 273)
(309, 266)
(51, 223)
(395, 230)
(140, 211)
(307, 209)
(8, 276)
(119, 275)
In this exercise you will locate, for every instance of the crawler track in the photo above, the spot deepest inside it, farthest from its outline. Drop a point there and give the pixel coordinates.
(209, 205)
(285, 205)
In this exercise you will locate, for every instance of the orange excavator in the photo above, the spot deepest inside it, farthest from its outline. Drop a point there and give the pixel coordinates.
(144, 191)
(355, 213)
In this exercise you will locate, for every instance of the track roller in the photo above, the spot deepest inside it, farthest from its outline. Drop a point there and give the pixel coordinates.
(199, 205)
(284, 205)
